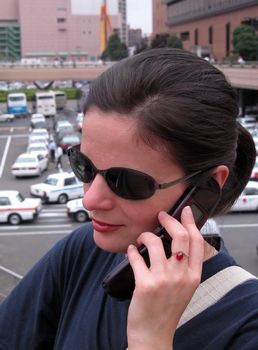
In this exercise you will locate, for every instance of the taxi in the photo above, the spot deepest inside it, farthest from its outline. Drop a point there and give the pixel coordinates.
(14, 208)
(76, 211)
(58, 188)
(248, 200)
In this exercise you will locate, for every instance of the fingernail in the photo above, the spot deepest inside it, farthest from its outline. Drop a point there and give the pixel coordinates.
(188, 210)
(162, 214)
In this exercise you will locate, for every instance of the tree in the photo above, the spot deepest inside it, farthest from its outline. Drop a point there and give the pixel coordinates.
(143, 45)
(174, 41)
(245, 42)
(116, 50)
(166, 40)
(160, 40)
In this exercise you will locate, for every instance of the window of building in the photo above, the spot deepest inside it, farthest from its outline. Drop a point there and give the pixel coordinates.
(185, 36)
(210, 35)
(196, 36)
(61, 20)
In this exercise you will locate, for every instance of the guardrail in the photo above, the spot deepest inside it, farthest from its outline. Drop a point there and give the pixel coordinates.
(64, 64)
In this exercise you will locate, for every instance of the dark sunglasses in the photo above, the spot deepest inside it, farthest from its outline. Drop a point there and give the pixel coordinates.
(124, 182)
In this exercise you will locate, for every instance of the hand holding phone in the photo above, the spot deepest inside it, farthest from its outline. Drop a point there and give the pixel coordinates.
(203, 198)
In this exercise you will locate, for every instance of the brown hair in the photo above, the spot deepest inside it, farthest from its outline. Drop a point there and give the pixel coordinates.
(187, 103)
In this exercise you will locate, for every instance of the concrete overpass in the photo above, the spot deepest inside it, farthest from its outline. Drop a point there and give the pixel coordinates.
(242, 78)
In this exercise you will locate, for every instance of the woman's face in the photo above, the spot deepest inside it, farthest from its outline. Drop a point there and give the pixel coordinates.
(110, 140)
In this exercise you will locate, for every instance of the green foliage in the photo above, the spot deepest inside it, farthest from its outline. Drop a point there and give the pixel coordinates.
(166, 40)
(71, 93)
(142, 46)
(245, 42)
(174, 41)
(116, 50)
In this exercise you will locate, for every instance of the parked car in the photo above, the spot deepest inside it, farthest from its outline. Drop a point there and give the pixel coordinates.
(58, 188)
(37, 139)
(38, 149)
(36, 118)
(14, 208)
(79, 121)
(28, 164)
(40, 125)
(248, 200)
(63, 125)
(255, 138)
(7, 117)
(76, 211)
(254, 175)
(39, 133)
(69, 140)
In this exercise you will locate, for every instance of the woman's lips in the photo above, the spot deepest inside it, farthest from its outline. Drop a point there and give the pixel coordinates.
(103, 226)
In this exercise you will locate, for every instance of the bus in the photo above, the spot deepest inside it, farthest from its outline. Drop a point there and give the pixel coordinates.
(45, 103)
(60, 98)
(17, 104)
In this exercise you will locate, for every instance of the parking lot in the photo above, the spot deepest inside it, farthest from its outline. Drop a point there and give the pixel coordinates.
(22, 245)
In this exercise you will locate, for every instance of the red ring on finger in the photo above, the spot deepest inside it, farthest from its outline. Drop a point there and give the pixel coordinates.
(180, 255)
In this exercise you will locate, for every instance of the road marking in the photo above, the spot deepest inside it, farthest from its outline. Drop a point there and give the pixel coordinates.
(39, 233)
(237, 225)
(7, 145)
(17, 227)
(48, 215)
(15, 136)
(10, 272)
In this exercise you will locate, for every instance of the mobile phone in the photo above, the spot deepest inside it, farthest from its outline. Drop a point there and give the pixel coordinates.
(203, 198)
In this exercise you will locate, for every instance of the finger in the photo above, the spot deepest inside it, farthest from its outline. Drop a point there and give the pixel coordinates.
(196, 247)
(137, 262)
(178, 233)
(155, 249)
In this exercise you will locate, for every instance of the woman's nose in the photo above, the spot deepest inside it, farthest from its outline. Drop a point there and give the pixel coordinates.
(97, 195)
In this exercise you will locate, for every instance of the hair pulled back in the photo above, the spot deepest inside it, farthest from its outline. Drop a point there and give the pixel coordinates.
(185, 102)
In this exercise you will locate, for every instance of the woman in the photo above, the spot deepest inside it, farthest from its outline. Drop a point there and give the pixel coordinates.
(170, 116)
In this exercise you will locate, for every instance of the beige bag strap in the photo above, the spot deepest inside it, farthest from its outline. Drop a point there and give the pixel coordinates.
(213, 289)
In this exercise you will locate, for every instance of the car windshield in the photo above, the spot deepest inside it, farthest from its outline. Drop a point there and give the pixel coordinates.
(71, 139)
(26, 160)
(51, 181)
(31, 149)
(20, 197)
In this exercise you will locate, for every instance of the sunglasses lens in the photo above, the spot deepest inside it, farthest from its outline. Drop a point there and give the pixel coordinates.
(81, 166)
(130, 184)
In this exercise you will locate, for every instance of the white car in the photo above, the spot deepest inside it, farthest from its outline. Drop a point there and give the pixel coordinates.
(14, 208)
(248, 200)
(76, 211)
(256, 143)
(28, 164)
(40, 134)
(37, 117)
(6, 117)
(59, 187)
(254, 175)
(38, 149)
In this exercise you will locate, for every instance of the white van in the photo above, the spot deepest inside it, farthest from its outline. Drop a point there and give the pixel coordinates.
(45, 103)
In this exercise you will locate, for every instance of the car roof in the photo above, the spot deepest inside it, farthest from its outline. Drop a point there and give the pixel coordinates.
(61, 175)
(8, 193)
(252, 184)
(39, 130)
(26, 154)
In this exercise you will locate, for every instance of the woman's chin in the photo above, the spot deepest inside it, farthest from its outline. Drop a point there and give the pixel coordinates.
(109, 244)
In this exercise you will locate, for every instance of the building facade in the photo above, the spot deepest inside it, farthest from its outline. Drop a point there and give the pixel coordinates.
(205, 26)
(56, 29)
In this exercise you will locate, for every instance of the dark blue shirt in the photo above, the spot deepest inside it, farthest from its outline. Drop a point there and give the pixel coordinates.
(60, 304)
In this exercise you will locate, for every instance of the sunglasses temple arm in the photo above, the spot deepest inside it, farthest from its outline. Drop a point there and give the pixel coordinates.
(181, 179)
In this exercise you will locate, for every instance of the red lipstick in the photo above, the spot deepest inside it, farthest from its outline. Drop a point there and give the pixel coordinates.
(103, 226)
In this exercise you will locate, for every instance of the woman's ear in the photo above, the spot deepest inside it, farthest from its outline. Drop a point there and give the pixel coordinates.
(220, 174)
